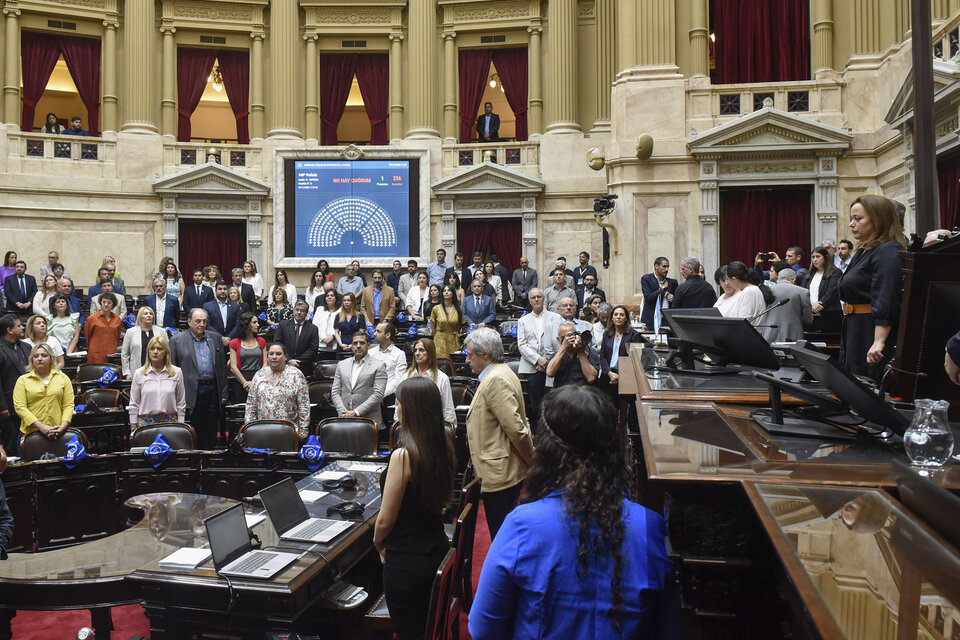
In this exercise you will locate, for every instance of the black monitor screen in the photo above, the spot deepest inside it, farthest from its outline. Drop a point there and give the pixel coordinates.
(228, 535)
(729, 340)
(284, 505)
(351, 208)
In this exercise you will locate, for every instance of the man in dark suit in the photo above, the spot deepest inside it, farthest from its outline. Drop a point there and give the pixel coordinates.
(223, 314)
(196, 295)
(301, 339)
(524, 279)
(246, 291)
(19, 288)
(96, 289)
(201, 357)
(463, 272)
(695, 292)
(14, 357)
(657, 290)
(119, 288)
(500, 270)
(488, 125)
(65, 287)
(584, 269)
(169, 307)
(478, 309)
(588, 289)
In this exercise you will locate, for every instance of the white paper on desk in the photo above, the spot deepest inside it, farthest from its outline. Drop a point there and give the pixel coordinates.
(330, 475)
(186, 558)
(309, 495)
(254, 520)
(375, 467)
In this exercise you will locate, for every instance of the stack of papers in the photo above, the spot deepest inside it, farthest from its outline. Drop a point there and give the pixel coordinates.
(330, 475)
(374, 467)
(309, 495)
(186, 558)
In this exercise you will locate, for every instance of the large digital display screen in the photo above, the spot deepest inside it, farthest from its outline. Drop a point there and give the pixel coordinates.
(352, 208)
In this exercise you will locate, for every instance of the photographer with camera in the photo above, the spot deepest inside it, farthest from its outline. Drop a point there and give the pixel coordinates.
(576, 361)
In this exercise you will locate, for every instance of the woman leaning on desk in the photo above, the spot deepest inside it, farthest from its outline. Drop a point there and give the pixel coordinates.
(871, 287)
(43, 397)
(577, 558)
(157, 394)
(416, 486)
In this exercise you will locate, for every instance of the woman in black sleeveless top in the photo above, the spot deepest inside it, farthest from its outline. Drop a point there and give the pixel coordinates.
(416, 487)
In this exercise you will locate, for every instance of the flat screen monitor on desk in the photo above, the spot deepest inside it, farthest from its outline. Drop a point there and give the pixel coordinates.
(726, 340)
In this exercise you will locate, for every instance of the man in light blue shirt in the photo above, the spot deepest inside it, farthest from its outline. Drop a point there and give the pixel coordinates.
(437, 269)
(350, 283)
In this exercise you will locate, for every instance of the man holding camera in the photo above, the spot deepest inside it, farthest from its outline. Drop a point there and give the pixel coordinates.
(576, 361)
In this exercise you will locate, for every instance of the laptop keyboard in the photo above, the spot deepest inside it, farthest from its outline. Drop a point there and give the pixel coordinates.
(253, 561)
(314, 528)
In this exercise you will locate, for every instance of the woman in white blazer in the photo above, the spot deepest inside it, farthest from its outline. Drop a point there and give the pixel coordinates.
(324, 317)
(133, 352)
(417, 295)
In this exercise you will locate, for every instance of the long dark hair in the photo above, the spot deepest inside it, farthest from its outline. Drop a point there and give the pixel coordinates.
(827, 263)
(611, 329)
(243, 325)
(739, 271)
(581, 451)
(432, 458)
(456, 303)
(6, 257)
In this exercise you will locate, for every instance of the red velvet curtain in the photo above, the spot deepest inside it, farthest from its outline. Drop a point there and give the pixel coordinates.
(373, 77)
(474, 69)
(474, 235)
(503, 237)
(336, 74)
(761, 40)
(203, 243)
(38, 55)
(512, 67)
(757, 220)
(193, 69)
(948, 176)
(235, 69)
(82, 56)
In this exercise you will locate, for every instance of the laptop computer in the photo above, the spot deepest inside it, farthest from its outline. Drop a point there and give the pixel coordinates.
(290, 518)
(234, 556)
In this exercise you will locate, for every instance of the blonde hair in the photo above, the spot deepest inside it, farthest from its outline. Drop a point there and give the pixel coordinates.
(29, 328)
(236, 291)
(162, 341)
(140, 313)
(883, 214)
(354, 312)
(253, 267)
(45, 347)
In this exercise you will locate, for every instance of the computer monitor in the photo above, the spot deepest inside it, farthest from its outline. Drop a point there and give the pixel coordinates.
(284, 505)
(727, 340)
(670, 314)
(228, 535)
(849, 390)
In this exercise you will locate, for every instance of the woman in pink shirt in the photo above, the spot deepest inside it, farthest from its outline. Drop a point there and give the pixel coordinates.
(156, 392)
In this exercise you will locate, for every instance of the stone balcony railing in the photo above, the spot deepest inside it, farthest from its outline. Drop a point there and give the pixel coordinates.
(181, 155)
(522, 156)
(76, 156)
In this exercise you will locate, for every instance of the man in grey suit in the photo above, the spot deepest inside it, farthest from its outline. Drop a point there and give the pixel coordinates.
(786, 323)
(523, 280)
(201, 357)
(359, 383)
(536, 340)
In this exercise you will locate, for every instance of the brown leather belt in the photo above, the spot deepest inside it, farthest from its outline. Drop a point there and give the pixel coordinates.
(852, 309)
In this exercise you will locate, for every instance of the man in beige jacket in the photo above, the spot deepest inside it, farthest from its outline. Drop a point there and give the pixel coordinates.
(501, 447)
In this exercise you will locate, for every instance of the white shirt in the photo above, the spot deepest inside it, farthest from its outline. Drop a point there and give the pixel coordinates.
(291, 293)
(727, 305)
(415, 299)
(223, 312)
(257, 283)
(310, 297)
(357, 365)
(161, 309)
(446, 395)
(395, 362)
(51, 342)
(324, 320)
(840, 264)
(815, 287)
(748, 304)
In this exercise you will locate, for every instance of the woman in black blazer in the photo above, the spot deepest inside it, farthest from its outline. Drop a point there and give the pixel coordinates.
(618, 334)
(826, 304)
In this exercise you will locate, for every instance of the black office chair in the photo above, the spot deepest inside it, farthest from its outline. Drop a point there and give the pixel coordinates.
(276, 435)
(446, 365)
(178, 435)
(322, 406)
(327, 369)
(35, 444)
(462, 392)
(348, 435)
(101, 398)
(88, 374)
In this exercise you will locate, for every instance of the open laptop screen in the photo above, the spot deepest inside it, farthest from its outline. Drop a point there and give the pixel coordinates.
(228, 535)
(284, 505)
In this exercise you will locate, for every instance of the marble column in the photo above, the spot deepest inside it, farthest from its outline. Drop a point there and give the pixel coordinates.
(422, 18)
(139, 107)
(866, 24)
(699, 38)
(168, 86)
(108, 111)
(606, 26)
(626, 36)
(563, 67)
(256, 86)
(822, 35)
(534, 83)
(284, 63)
(11, 68)
(396, 87)
(656, 33)
(451, 128)
(311, 109)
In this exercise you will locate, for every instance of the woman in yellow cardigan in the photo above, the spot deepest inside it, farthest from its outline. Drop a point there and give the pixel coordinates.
(43, 397)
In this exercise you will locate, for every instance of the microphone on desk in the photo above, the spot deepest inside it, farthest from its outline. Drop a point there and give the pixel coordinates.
(778, 303)
(767, 326)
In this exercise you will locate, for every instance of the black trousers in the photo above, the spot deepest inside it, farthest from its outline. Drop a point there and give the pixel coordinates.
(407, 580)
(538, 389)
(498, 504)
(10, 433)
(205, 417)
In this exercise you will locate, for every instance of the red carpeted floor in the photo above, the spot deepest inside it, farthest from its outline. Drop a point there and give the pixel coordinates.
(129, 620)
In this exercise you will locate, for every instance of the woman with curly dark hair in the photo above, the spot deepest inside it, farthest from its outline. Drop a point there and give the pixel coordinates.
(576, 558)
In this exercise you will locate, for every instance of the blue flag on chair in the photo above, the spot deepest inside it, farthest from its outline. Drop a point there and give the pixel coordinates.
(370, 331)
(312, 453)
(76, 452)
(513, 330)
(413, 333)
(171, 331)
(158, 451)
(130, 320)
(401, 317)
(107, 379)
(262, 317)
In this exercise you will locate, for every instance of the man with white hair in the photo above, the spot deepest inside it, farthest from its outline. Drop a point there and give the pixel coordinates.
(786, 323)
(501, 446)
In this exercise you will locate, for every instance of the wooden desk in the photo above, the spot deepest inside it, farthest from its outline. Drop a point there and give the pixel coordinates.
(858, 565)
